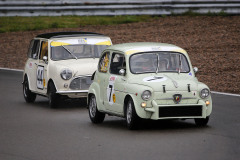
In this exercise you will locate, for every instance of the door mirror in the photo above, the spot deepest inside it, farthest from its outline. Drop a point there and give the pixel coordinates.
(122, 72)
(45, 59)
(195, 69)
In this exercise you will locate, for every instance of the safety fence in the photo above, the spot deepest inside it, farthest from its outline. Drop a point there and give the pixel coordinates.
(116, 7)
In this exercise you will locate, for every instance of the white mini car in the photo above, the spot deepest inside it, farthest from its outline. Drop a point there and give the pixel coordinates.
(61, 64)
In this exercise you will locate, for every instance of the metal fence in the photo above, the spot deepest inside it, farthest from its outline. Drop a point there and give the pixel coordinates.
(115, 7)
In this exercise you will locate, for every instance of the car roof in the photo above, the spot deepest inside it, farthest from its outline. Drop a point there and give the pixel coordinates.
(130, 48)
(67, 34)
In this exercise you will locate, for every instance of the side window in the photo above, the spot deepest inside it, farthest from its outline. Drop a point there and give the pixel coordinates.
(104, 63)
(117, 63)
(33, 49)
(44, 50)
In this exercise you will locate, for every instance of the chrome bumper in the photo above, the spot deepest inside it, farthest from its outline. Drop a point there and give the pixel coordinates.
(74, 94)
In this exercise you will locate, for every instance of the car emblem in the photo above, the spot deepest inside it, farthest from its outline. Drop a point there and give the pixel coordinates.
(177, 98)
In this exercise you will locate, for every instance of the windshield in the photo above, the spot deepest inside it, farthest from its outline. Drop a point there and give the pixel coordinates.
(159, 62)
(77, 51)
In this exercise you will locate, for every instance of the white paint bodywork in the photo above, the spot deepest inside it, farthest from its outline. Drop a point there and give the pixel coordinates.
(40, 73)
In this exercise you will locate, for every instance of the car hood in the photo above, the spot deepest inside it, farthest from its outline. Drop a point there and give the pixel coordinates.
(169, 81)
(79, 67)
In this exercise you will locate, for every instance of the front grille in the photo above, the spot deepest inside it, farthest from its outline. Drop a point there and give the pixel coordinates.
(81, 83)
(180, 111)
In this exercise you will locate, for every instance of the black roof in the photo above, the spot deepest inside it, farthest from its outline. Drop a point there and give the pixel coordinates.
(67, 34)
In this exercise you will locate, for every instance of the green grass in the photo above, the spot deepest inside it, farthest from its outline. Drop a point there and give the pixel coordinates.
(13, 24)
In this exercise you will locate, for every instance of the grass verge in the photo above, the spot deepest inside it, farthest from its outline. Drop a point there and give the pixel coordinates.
(13, 24)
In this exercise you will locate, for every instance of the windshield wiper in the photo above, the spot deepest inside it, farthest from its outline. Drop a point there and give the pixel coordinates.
(70, 52)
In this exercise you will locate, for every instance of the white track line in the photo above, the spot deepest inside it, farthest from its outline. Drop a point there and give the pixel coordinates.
(9, 69)
(214, 92)
(227, 94)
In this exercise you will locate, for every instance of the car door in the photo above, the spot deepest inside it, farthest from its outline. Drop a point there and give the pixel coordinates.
(41, 71)
(116, 83)
(32, 62)
(103, 76)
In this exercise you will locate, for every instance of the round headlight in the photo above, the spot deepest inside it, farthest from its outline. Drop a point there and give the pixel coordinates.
(204, 93)
(66, 74)
(146, 95)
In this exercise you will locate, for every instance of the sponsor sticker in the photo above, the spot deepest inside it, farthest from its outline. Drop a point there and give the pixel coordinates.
(82, 41)
(155, 79)
(30, 65)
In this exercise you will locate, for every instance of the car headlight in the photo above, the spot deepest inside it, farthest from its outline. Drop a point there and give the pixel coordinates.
(66, 74)
(146, 95)
(204, 93)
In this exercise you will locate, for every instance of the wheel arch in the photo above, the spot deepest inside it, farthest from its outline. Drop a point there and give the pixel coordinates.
(88, 98)
(126, 99)
(48, 83)
(25, 77)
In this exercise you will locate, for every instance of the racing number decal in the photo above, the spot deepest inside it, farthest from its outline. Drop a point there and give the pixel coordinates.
(110, 95)
(110, 90)
(40, 73)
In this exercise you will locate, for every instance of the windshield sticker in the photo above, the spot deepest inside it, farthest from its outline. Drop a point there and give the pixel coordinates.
(93, 41)
(156, 48)
(110, 90)
(55, 44)
(82, 41)
(106, 43)
(154, 79)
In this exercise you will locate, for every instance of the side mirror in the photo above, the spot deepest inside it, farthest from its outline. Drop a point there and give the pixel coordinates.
(45, 59)
(195, 69)
(122, 72)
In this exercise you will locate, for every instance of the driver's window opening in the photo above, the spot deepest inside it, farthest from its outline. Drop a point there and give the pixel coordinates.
(117, 63)
(44, 50)
(33, 49)
(104, 63)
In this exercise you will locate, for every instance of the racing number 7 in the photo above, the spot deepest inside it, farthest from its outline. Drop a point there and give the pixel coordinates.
(110, 95)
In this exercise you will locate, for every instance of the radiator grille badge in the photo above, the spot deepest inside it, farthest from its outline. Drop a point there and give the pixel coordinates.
(177, 98)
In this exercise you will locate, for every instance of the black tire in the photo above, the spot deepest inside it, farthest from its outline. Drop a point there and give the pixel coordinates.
(28, 95)
(201, 121)
(95, 116)
(131, 116)
(53, 97)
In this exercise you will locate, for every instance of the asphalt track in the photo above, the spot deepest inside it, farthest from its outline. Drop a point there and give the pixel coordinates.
(36, 132)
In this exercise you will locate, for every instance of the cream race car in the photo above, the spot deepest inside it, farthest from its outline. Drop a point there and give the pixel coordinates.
(148, 81)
